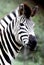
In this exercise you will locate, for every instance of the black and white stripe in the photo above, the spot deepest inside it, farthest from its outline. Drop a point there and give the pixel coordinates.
(23, 33)
(8, 19)
(9, 47)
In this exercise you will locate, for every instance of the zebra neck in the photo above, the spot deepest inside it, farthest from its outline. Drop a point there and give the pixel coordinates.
(13, 46)
(10, 29)
(12, 36)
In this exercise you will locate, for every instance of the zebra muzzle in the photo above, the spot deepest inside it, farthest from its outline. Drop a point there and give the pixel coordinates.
(32, 44)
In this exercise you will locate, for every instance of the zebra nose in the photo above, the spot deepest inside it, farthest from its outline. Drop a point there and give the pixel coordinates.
(32, 44)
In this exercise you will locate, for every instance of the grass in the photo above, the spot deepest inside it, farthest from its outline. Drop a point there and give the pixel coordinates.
(7, 6)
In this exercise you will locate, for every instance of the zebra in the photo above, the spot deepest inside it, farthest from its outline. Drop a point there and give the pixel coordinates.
(17, 34)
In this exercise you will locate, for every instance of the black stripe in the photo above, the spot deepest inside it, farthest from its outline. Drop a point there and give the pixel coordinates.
(22, 36)
(21, 32)
(0, 43)
(5, 55)
(21, 24)
(2, 26)
(0, 32)
(2, 60)
(23, 20)
(14, 13)
(13, 44)
(7, 42)
(26, 27)
(23, 28)
(5, 21)
(13, 24)
(14, 37)
(9, 17)
(3, 42)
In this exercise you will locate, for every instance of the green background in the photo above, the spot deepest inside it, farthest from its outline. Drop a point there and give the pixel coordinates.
(36, 58)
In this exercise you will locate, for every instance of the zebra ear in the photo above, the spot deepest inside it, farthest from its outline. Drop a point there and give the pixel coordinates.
(21, 9)
(34, 11)
(27, 10)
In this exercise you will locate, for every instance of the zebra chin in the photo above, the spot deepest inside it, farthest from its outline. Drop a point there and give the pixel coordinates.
(32, 43)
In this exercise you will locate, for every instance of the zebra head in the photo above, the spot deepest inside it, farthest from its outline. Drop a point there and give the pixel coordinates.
(26, 33)
(27, 36)
(24, 27)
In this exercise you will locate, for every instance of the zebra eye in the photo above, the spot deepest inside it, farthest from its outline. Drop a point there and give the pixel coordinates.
(21, 24)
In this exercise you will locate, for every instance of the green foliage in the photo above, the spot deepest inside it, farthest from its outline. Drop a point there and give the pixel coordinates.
(35, 58)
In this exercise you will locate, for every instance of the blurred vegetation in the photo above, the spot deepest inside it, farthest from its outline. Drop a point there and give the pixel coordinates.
(36, 58)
